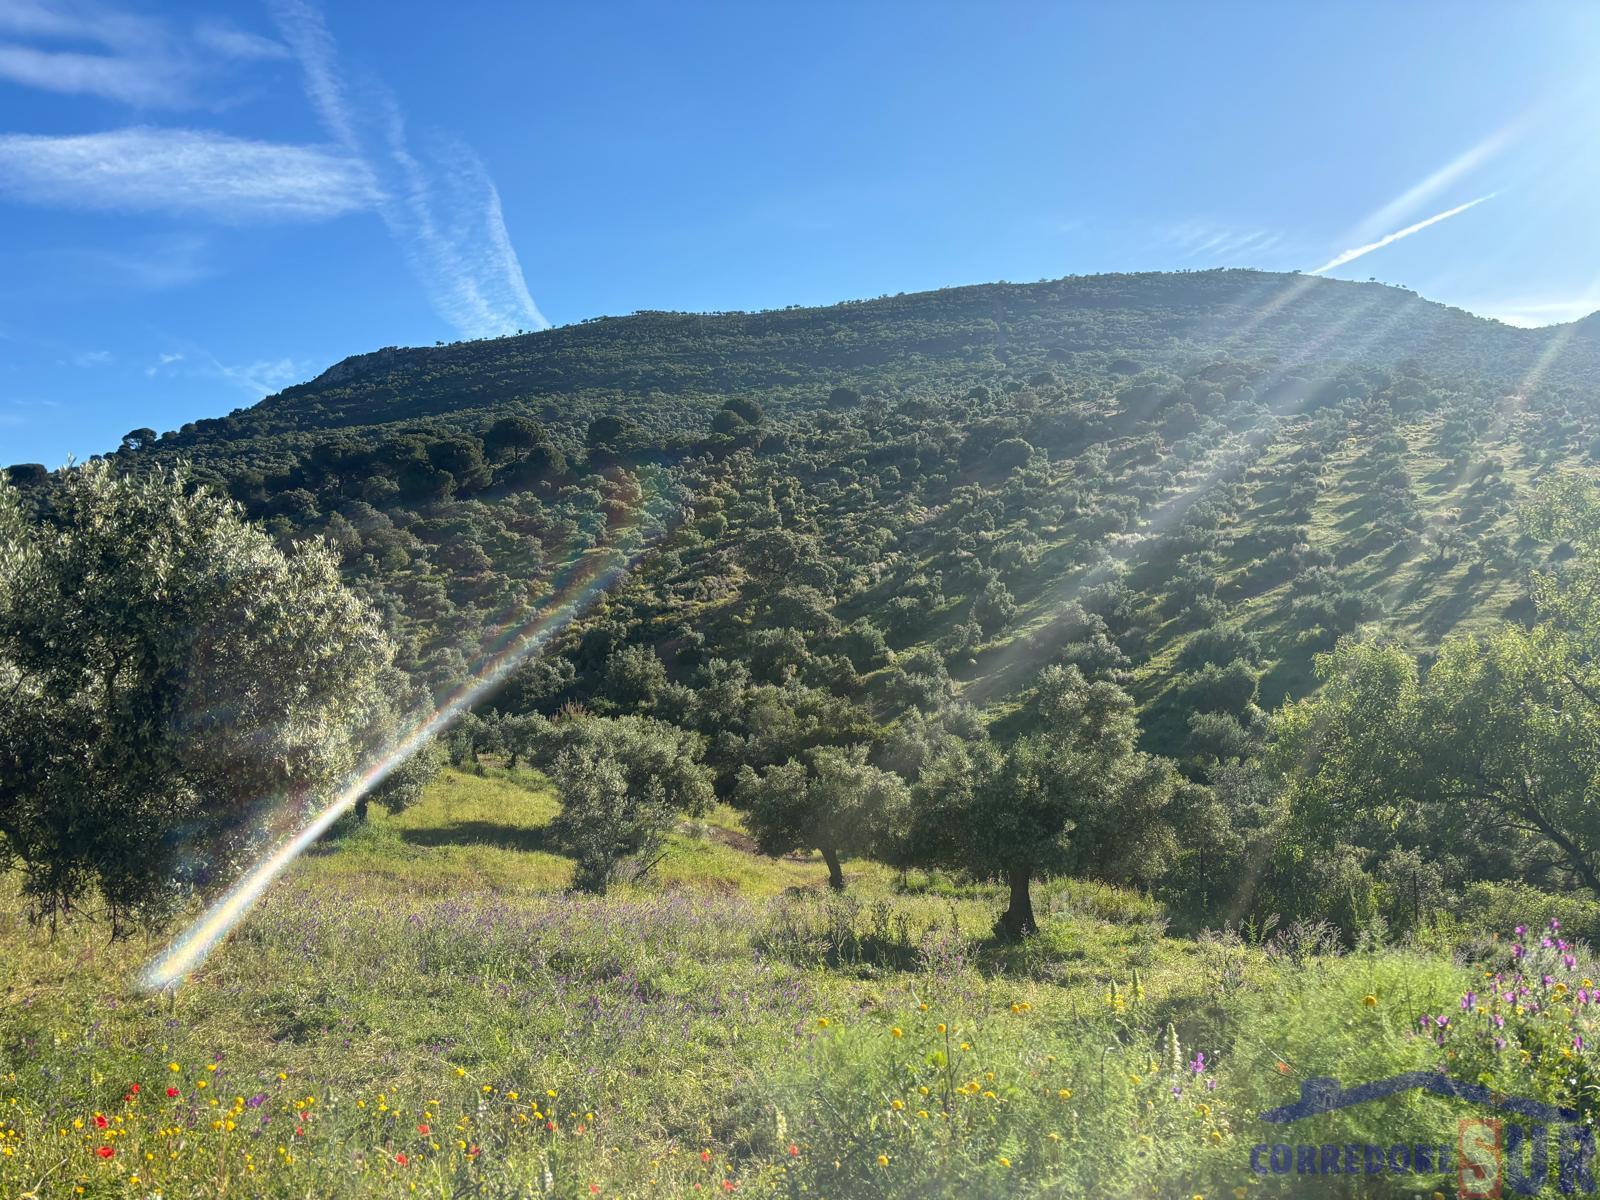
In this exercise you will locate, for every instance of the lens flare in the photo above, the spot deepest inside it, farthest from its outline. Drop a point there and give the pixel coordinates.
(585, 579)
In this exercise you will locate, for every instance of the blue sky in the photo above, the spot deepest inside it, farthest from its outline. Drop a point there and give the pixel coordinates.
(201, 203)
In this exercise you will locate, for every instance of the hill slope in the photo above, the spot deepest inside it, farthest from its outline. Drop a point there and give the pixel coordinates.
(1187, 482)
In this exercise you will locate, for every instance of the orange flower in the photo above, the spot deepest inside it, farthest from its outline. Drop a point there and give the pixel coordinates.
(401, 1159)
(1283, 1068)
(423, 1129)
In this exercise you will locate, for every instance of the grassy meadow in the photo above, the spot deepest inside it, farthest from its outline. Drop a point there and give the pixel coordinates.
(420, 1007)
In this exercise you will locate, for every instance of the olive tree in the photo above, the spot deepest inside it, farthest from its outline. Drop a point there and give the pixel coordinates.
(624, 783)
(171, 686)
(837, 803)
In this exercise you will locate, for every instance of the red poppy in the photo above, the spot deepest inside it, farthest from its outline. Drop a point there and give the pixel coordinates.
(401, 1159)
(105, 1152)
(299, 1130)
(473, 1152)
(728, 1185)
(100, 1122)
(550, 1125)
(594, 1189)
(172, 1093)
(423, 1129)
(133, 1089)
(705, 1156)
(794, 1151)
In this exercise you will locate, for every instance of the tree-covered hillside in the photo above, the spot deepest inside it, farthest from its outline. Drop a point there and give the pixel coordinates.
(848, 548)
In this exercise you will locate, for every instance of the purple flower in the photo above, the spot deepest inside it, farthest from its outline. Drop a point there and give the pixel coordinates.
(1441, 1021)
(1469, 1002)
(1517, 951)
(1554, 924)
(1198, 1066)
(1211, 1083)
(1499, 1043)
(257, 1100)
(1520, 930)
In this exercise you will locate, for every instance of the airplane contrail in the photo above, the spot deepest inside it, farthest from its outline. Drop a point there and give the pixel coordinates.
(1390, 238)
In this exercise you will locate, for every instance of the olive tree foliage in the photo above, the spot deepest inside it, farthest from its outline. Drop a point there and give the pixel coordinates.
(835, 802)
(1074, 796)
(170, 684)
(624, 784)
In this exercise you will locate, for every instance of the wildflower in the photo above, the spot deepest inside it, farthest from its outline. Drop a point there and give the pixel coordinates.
(897, 1031)
(922, 1008)
(1370, 1000)
(897, 1104)
(794, 1151)
(1469, 1002)
(100, 1122)
(1004, 1161)
(1065, 1093)
(822, 1022)
(1283, 1068)
(423, 1129)
(461, 1072)
(106, 1152)
(705, 1156)
(943, 1028)
(174, 1067)
(133, 1089)
(401, 1158)
(1198, 1065)
(883, 1160)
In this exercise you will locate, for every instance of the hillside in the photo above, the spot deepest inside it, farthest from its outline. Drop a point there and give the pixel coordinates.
(660, 364)
(965, 593)
(903, 502)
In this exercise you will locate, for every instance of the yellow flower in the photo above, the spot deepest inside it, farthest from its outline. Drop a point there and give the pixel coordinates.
(923, 1113)
(460, 1072)
(1216, 1137)
(883, 1160)
(923, 1090)
(1065, 1093)
(897, 1104)
(822, 1022)
(1004, 1161)
(966, 1045)
(1053, 1136)
(943, 1028)
(1370, 1000)
(174, 1067)
(922, 1008)
(897, 1031)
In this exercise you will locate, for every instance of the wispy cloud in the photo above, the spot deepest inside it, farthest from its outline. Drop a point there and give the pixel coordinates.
(445, 215)
(84, 48)
(190, 172)
(1389, 239)
(1215, 242)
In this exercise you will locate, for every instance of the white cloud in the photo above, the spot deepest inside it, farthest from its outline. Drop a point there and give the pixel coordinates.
(126, 57)
(233, 42)
(192, 172)
(1389, 239)
(446, 217)
(124, 79)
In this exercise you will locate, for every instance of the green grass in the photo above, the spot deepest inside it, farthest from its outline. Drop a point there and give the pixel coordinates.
(727, 1024)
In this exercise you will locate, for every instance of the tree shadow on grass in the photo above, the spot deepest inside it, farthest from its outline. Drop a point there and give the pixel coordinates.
(482, 833)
